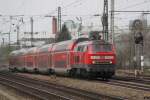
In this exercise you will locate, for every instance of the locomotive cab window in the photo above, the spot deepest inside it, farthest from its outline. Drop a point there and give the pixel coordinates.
(101, 47)
(81, 48)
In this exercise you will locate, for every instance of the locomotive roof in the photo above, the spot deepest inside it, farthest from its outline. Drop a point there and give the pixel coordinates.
(94, 42)
(100, 42)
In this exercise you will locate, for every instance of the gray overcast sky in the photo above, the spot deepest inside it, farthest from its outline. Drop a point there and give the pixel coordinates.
(72, 8)
(46, 6)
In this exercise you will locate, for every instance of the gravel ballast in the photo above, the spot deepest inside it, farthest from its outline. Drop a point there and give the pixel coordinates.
(8, 93)
(93, 86)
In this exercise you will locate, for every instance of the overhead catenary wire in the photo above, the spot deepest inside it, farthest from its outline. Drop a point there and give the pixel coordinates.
(135, 5)
(64, 7)
(132, 11)
(42, 15)
(71, 4)
(123, 10)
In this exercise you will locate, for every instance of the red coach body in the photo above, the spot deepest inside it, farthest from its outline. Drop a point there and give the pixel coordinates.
(44, 58)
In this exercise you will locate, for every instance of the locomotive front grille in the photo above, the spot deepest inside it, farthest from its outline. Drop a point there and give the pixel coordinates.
(102, 62)
(101, 67)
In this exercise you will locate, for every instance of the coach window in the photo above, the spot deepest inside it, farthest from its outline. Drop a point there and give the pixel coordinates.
(44, 49)
(62, 47)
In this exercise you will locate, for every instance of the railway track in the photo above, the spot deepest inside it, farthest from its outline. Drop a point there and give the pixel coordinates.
(142, 80)
(48, 91)
(30, 90)
(129, 82)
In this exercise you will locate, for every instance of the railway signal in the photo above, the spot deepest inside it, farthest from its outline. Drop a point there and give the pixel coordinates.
(139, 50)
(138, 38)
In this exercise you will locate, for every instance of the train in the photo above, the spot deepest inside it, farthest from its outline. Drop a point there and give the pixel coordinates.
(78, 57)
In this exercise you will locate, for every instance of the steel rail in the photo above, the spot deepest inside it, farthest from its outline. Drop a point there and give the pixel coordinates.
(68, 90)
(142, 80)
(33, 91)
(129, 85)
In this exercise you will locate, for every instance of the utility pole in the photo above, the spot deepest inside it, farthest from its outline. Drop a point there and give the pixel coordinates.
(105, 21)
(9, 31)
(18, 44)
(80, 25)
(112, 20)
(59, 19)
(31, 20)
(3, 39)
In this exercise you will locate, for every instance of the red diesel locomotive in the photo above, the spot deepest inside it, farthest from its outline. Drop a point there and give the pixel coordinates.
(78, 57)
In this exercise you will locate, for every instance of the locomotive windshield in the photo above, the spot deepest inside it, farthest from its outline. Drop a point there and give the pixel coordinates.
(101, 47)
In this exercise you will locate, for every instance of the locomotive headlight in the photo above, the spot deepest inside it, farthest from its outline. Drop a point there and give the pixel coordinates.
(109, 57)
(95, 57)
(93, 62)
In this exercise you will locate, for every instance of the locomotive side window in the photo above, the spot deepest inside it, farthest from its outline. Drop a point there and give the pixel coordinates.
(80, 48)
(77, 48)
(85, 48)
